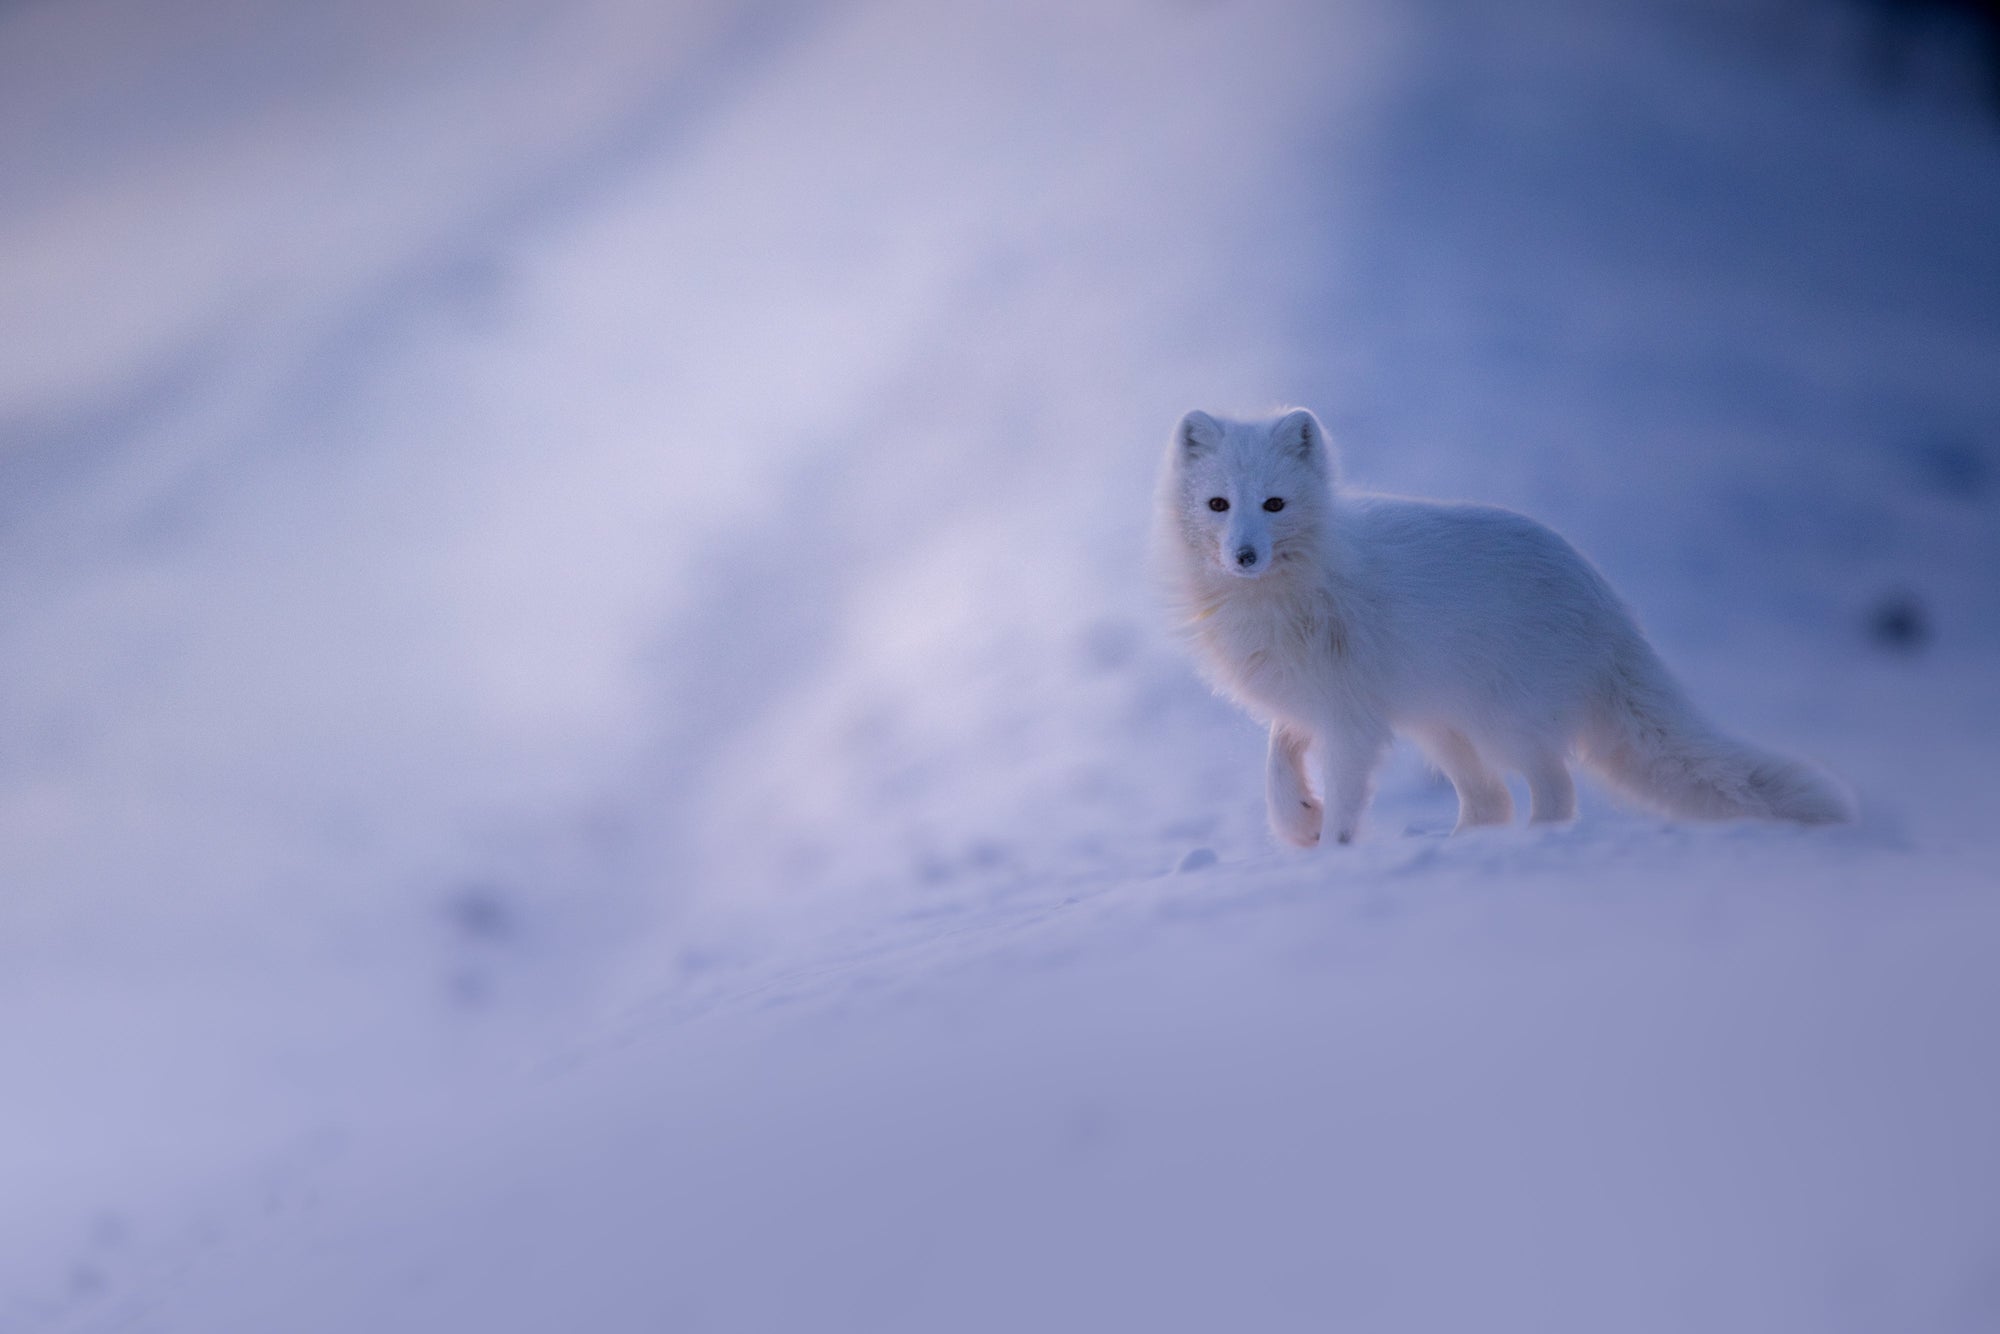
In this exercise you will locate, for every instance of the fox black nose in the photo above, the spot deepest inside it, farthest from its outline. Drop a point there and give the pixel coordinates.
(1246, 556)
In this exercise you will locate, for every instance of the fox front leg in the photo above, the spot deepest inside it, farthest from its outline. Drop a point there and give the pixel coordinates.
(1295, 812)
(1350, 756)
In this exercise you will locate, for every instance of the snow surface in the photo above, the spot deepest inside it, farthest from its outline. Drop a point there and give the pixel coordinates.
(584, 745)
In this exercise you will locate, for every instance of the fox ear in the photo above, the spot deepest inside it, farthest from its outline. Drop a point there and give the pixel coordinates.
(1197, 434)
(1299, 433)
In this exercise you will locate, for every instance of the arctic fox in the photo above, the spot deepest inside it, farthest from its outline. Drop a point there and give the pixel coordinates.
(1341, 619)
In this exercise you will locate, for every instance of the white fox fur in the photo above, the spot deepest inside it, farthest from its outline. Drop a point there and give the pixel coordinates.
(1342, 619)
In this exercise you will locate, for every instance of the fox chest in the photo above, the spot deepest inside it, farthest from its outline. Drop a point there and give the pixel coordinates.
(1283, 659)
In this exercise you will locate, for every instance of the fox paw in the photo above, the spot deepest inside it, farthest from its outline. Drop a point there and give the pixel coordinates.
(1297, 823)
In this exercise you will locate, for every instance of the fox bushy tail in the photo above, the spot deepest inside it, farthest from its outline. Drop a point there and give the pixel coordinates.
(1648, 740)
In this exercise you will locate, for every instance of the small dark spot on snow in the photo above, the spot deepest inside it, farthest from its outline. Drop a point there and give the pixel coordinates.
(1953, 466)
(87, 1280)
(1898, 621)
(480, 911)
(694, 961)
(986, 855)
(1196, 859)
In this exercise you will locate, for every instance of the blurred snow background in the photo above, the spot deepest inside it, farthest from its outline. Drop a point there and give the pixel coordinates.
(583, 743)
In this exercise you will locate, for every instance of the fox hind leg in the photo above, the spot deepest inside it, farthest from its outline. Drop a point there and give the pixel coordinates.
(1483, 797)
(1295, 812)
(1551, 793)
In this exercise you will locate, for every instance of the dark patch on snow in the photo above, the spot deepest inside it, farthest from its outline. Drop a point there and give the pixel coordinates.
(1953, 466)
(1197, 859)
(482, 918)
(42, 452)
(1915, 44)
(481, 912)
(694, 961)
(986, 855)
(1899, 621)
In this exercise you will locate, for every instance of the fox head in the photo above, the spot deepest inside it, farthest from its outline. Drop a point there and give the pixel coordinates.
(1247, 495)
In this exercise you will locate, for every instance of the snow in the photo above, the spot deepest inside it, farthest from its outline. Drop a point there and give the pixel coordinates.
(587, 745)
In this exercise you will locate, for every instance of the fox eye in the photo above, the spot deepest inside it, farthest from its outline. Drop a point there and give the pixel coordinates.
(1274, 504)
(1218, 504)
